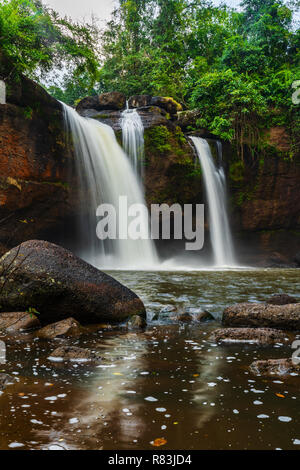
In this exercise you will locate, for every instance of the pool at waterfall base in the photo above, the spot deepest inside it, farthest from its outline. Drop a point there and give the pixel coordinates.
(168, 386)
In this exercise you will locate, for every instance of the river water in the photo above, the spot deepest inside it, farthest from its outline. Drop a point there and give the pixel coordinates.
(169, 382)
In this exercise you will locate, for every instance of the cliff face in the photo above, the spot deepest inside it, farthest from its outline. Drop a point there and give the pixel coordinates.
(37, 189)
(33, 164)
(265, 200)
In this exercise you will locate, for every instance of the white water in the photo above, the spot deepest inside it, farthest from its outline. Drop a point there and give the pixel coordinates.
(133, 138)
(215, 186)
(105, 173)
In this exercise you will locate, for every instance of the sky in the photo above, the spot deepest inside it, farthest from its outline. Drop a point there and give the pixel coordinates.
(83, 9)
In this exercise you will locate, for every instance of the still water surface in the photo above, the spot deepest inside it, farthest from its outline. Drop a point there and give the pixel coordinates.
(168, 382)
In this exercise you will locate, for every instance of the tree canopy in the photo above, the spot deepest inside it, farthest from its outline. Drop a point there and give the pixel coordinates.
(236, 67)
(35, 40)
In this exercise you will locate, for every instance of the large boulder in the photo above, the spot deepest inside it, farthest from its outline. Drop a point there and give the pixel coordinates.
(167, 103)
(112, 100)
(285, 317)
(281, 299)
(59, 285)
(139, 101)
(261, 336)
(272, 367)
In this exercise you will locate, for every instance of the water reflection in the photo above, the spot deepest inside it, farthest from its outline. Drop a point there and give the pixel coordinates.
(169, 382)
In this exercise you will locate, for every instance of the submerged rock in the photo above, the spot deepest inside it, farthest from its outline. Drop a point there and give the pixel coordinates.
(285, 317)
(60, 285)
(68, 327)
(18, 321)
(281, 299)
(72, 353)
(136, 322)
(5, 380)
(273, 367)
(248, 335)
(184, 317)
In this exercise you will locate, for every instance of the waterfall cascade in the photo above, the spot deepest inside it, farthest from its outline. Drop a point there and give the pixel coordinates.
(215, 186)
(105, 174)
(133, 138)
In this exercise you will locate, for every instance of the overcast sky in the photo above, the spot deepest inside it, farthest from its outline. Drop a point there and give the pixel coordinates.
(78, 9)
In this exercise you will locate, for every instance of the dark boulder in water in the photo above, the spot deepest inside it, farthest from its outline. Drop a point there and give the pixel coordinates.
(261, 336)
(73, 353)
(285, 317)
(273, 367)
(44, 276)
(281, 299)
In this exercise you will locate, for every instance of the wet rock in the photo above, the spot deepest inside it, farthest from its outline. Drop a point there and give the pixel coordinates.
(110, 101)
(204, 316)
(18, 321)
(6, 380)
(111, 118)
(167, 309)
(89, 102)
(273, 367)
(169, 104)
(281, 299)
(138, 101)
(150, 115)
(285, 317)
(248, 335)
(200, 315)
(68, 327)
(184, 317)
(297, 258)
(72, 353)
(137, 322)
(60, 285)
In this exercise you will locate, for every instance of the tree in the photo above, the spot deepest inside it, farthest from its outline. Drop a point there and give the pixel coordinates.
(34, 40)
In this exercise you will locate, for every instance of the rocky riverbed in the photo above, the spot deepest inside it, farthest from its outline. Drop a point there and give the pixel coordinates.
(124, 386)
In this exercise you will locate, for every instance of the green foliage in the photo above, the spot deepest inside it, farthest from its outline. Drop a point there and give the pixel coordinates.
(35, 40)
(158, 138)
(235, 67)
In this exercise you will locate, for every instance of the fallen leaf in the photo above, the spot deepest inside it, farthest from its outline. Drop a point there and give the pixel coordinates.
(21, 394)
(195, 375)
(175, 422)
(279, 395)
(160, 441)
(117, 373)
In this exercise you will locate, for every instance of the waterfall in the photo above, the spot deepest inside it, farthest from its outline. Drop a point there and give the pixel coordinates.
(105, 174)
(215, 186)
(133, 138)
